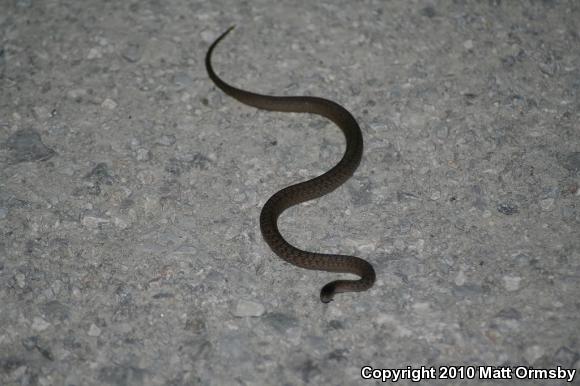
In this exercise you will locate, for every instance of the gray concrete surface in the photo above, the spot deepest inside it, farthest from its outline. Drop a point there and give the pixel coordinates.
(130, 190)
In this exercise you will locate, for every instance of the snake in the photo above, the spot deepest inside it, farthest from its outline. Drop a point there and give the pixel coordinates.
(307, 190)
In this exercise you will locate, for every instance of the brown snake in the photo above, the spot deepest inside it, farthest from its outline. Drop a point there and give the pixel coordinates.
(308, 190)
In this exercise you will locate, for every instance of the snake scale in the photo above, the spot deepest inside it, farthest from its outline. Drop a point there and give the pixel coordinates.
(307, 190)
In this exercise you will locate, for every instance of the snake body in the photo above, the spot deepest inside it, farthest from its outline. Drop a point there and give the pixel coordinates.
(310, 189)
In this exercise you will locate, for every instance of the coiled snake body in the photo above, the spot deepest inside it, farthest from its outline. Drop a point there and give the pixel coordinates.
(310, 189)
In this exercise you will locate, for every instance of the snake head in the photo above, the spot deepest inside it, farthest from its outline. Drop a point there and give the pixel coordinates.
(327, 292)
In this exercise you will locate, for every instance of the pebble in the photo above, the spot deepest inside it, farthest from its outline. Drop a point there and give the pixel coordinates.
(109, 104)
(93, 222)
(512, 283)
(143, 154)
(460, 278)
(248, 308)
(547, 204)
(132, 53)
(39, 324)
(166, 140)
(20, 280)
(94, 330)
(533, 353)
(435, 195)
(95, 53)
